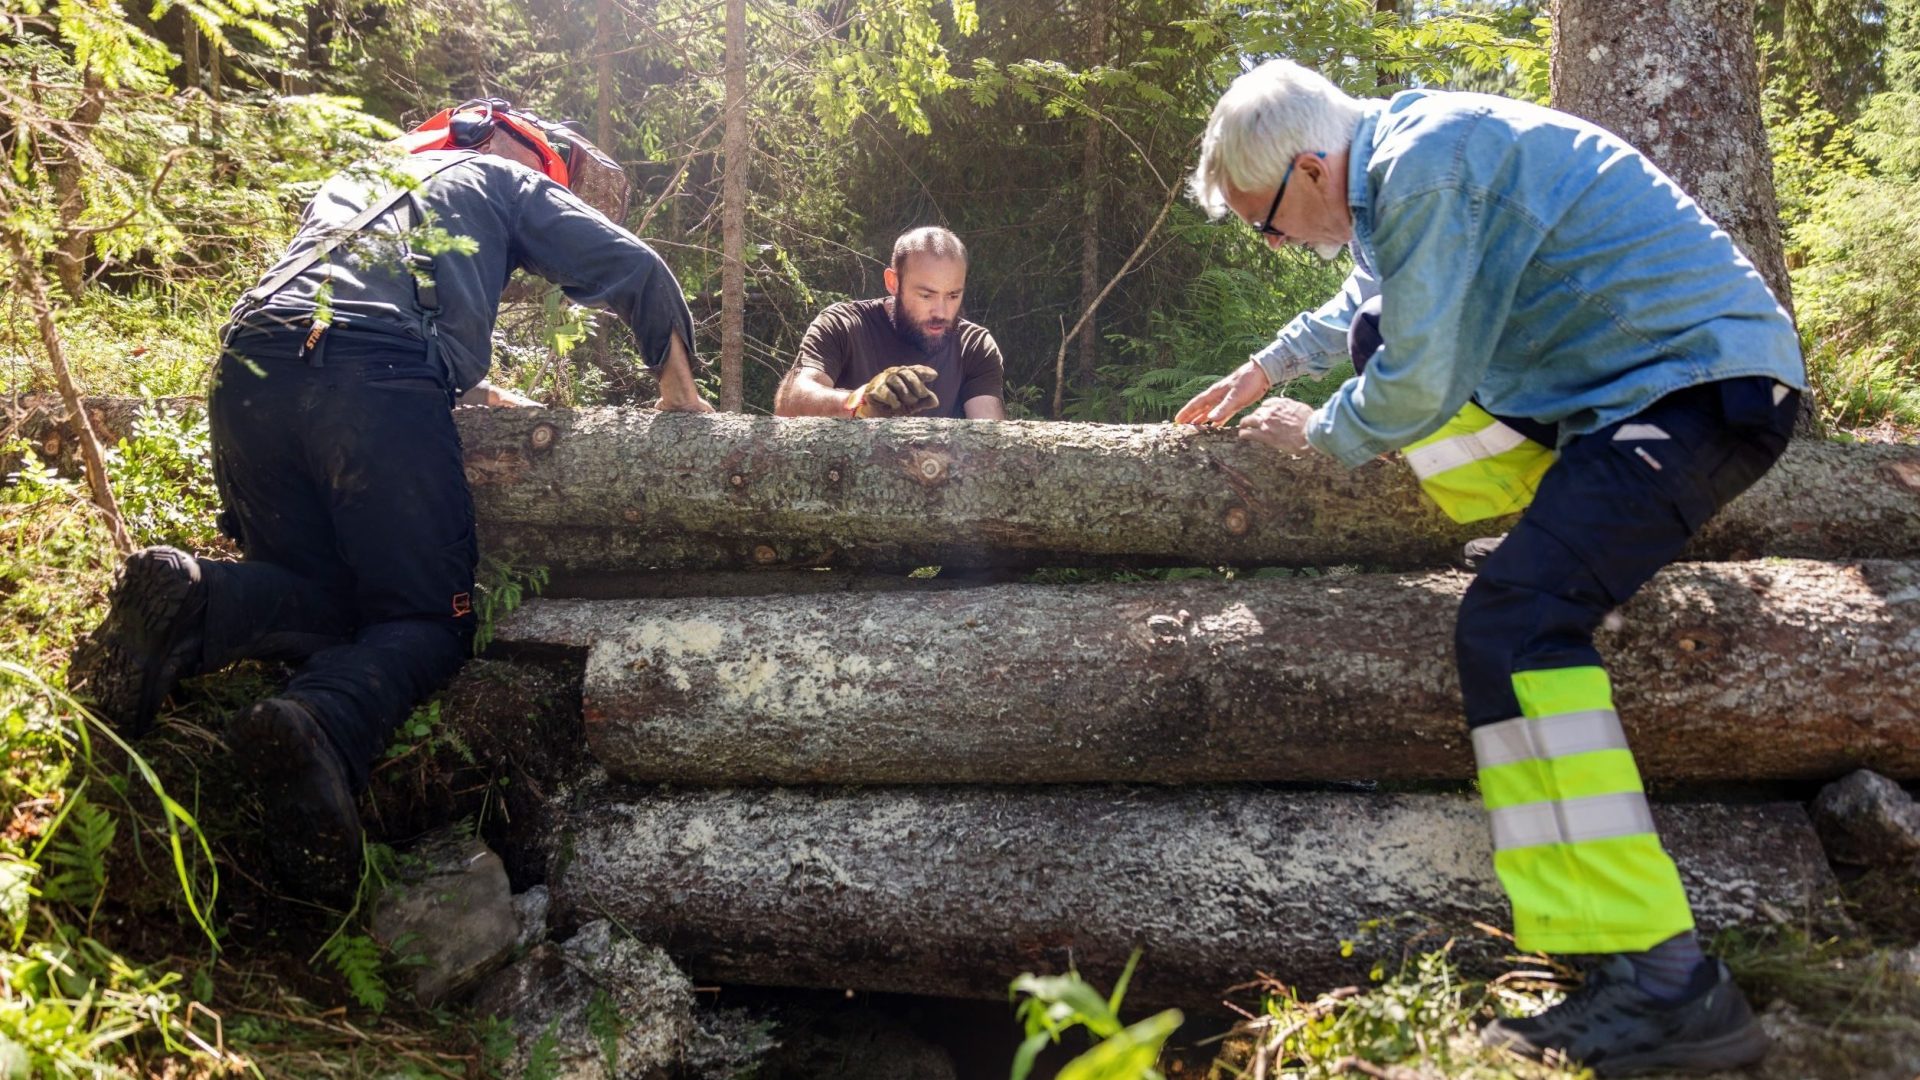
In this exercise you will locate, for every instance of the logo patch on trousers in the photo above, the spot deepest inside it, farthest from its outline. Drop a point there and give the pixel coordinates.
(462, 604)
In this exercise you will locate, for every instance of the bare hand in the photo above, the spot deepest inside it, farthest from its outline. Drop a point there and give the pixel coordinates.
(1216, 404)
(1280, 423)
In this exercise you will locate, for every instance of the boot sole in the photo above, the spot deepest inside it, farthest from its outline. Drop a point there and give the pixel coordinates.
(1730, 1051)
(127, 685)
(312, 828)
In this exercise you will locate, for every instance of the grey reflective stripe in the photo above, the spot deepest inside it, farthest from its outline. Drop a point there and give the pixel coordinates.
(1600, 817)
(1449, 454)
(1523, 739)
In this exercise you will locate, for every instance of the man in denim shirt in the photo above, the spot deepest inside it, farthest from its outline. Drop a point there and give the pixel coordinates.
(1530, 265)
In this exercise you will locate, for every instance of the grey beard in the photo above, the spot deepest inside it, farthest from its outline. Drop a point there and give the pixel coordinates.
(1329, 252)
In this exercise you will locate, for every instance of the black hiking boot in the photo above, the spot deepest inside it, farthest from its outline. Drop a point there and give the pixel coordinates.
(1615, 1028)
(1476, 551)
(312, 828)
(148, 642)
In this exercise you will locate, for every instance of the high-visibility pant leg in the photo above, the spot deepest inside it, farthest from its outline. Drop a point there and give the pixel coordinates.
(1574, 843)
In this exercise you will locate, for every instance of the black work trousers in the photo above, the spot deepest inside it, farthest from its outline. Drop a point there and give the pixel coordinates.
(344, 487)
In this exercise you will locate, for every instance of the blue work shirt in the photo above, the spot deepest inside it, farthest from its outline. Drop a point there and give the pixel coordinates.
(1533, 262)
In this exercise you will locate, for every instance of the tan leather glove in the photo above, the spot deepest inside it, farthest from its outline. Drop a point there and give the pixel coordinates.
(898, 391)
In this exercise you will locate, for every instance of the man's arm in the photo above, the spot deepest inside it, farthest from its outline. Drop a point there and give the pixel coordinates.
(1444, 308)
(809, 392)
(984, 407)
(1314, 341)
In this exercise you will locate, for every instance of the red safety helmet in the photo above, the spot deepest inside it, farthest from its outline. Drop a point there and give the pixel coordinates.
(566, 156)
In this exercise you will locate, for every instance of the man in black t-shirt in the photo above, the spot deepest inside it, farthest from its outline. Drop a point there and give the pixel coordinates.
(908, 353)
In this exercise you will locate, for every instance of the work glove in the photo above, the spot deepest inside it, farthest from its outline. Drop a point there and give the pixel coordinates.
(897, 391)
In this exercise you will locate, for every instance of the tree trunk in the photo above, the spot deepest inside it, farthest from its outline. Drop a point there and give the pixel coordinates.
(733, 215)
(85, 442)
(67, 175)
(613, 493)
(1679, 79)
(607, 32)
(1090, 184)
(955, 891)
(606, 490)
(1721, 671)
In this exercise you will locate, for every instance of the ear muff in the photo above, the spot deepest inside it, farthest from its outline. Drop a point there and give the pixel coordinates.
(566, 155)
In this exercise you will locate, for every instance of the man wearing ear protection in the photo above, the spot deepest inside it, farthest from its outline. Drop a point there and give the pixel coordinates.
(339, 466)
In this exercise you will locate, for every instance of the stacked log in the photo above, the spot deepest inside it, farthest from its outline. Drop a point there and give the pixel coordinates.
(1727, 671)
(955, 891)
(605, 491)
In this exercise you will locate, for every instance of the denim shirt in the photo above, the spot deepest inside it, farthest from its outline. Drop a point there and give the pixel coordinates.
(1532, 261)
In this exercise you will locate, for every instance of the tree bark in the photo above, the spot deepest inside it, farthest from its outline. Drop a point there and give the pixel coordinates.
(611, 493)
(1090, 183)
(1729, 671)
(67, 175)
(955, 891)
(590, 491)
(1679, 79)
(733, 214)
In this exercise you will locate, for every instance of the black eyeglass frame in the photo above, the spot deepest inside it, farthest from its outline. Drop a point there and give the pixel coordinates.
(1265, 225)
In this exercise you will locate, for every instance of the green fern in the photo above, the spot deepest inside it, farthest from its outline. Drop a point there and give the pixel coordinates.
(501, 588)
(78, 856)
(357, 957)
(543, 1057)
(603, 1022)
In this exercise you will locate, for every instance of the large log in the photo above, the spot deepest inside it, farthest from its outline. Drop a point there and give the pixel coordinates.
(1736, 671)
(607, 490)
(955, 891)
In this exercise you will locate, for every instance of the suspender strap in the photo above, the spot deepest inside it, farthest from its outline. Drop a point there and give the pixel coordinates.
(420, 169)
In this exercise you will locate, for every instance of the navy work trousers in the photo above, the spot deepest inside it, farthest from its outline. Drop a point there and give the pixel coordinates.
(1618, 505)
(344, 487)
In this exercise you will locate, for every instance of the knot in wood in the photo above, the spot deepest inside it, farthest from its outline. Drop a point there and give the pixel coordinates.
(631, 515)
(1237, 520)
(928, 468)
(542, 436)
(737, 480)
(474, 475)
(833, 476)
(50, 448)
(764, 554)
(1906, 474)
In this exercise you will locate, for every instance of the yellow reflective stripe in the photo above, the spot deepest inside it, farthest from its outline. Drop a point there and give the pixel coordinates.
(1572, 821)
(1576, 776)
(1596, 896)
(1460, 450)
(1551, 691)
(1523, 739)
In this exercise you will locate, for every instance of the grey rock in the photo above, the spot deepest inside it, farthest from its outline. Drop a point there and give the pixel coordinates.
(599, 1006)
(452, 914)
(729, 1044)
(1868, 820)
(530, 908)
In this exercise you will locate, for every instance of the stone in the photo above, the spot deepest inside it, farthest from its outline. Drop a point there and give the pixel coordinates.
(530, 909)
(602, 1005)
(452, 914)
(1868, 820)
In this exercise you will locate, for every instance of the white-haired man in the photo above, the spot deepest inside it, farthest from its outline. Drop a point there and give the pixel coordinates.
(1530, 265)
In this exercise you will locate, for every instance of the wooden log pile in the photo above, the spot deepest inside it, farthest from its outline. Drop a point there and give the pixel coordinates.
(827, 778)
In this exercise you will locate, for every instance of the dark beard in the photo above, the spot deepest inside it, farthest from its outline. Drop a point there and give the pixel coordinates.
(915, 336)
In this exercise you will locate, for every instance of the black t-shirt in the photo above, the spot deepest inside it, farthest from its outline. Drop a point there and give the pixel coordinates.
(855, 340)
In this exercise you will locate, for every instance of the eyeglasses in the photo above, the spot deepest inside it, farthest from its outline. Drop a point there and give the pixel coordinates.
(1265, 225)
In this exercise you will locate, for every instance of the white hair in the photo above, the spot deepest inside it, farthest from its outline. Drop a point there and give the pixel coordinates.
(1268, 117)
